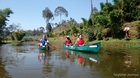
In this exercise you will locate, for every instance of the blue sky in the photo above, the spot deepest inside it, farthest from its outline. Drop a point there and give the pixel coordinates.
(28, 13)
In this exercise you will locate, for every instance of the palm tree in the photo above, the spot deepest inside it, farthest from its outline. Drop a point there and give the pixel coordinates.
(59, 11)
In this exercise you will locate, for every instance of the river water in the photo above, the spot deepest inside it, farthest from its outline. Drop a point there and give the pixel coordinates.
(27, 61)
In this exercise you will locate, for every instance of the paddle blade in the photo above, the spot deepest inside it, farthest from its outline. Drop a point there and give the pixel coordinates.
(53, 47)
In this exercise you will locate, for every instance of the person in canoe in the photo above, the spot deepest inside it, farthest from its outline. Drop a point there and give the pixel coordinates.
(43, 41)
(39, 41)
(68, 41)
(80, 41)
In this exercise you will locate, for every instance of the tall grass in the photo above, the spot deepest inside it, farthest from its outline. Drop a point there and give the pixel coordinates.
(121, 44)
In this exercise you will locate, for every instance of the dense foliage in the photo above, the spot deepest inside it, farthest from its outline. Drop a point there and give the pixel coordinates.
(113, 16)
(18, 36)
(4, 14)
(108, 22)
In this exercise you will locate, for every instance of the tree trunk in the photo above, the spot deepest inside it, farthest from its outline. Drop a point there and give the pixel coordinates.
(91, 13)
(106, 1)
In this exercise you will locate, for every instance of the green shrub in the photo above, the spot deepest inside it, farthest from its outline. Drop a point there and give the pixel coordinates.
(18, 35)
(49, 34)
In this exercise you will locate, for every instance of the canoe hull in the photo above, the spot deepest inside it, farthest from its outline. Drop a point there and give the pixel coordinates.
(42, 47)
(45, 47)
(87, 48)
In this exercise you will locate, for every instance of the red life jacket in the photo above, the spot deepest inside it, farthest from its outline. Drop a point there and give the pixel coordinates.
(67, 54)
(68, 42)
(80, 59)
(81, 41)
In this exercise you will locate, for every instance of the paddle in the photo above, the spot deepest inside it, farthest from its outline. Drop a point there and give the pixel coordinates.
(92, 59)
(53, 47)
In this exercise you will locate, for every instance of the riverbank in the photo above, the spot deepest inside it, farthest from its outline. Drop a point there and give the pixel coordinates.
(116, 43)
(110, 44)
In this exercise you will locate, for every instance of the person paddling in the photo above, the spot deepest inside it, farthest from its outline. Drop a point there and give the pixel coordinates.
(68, 41)
(43, 41)
(80, 41)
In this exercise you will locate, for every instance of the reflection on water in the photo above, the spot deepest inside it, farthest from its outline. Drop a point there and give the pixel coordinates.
(27, 61)
(43, 55)
(83, 58)
(120, 62)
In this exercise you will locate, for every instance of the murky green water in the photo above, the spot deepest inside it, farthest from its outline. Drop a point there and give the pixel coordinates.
(27, 61)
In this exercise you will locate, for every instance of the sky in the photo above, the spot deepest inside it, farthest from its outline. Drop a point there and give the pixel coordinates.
(28, 13)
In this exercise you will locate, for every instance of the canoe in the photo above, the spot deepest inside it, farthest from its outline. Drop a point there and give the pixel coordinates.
(42, 47)
(47, 47)
(86, 48)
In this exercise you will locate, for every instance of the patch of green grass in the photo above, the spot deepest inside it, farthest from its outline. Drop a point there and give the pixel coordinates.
(115, 43)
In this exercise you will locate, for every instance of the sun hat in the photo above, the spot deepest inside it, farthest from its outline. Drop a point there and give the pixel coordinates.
(68, 36)
(126, 28)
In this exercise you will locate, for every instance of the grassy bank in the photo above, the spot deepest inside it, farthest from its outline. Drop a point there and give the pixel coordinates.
(121, 44)
(110, 44)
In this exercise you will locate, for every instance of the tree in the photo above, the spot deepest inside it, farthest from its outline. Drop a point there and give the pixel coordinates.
(91, 7)
(47, 14)
(131, 12)
(42, 29)
(92, 12)
(59, 11)
(74, 30)
(106, 1)
(3, 18)
(18, 36)
(116, 23)
(13, 27)
(49, 27)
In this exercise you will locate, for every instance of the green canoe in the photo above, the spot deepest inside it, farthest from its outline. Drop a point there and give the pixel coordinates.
(42, 47)
(45, 47)
(87, 48)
